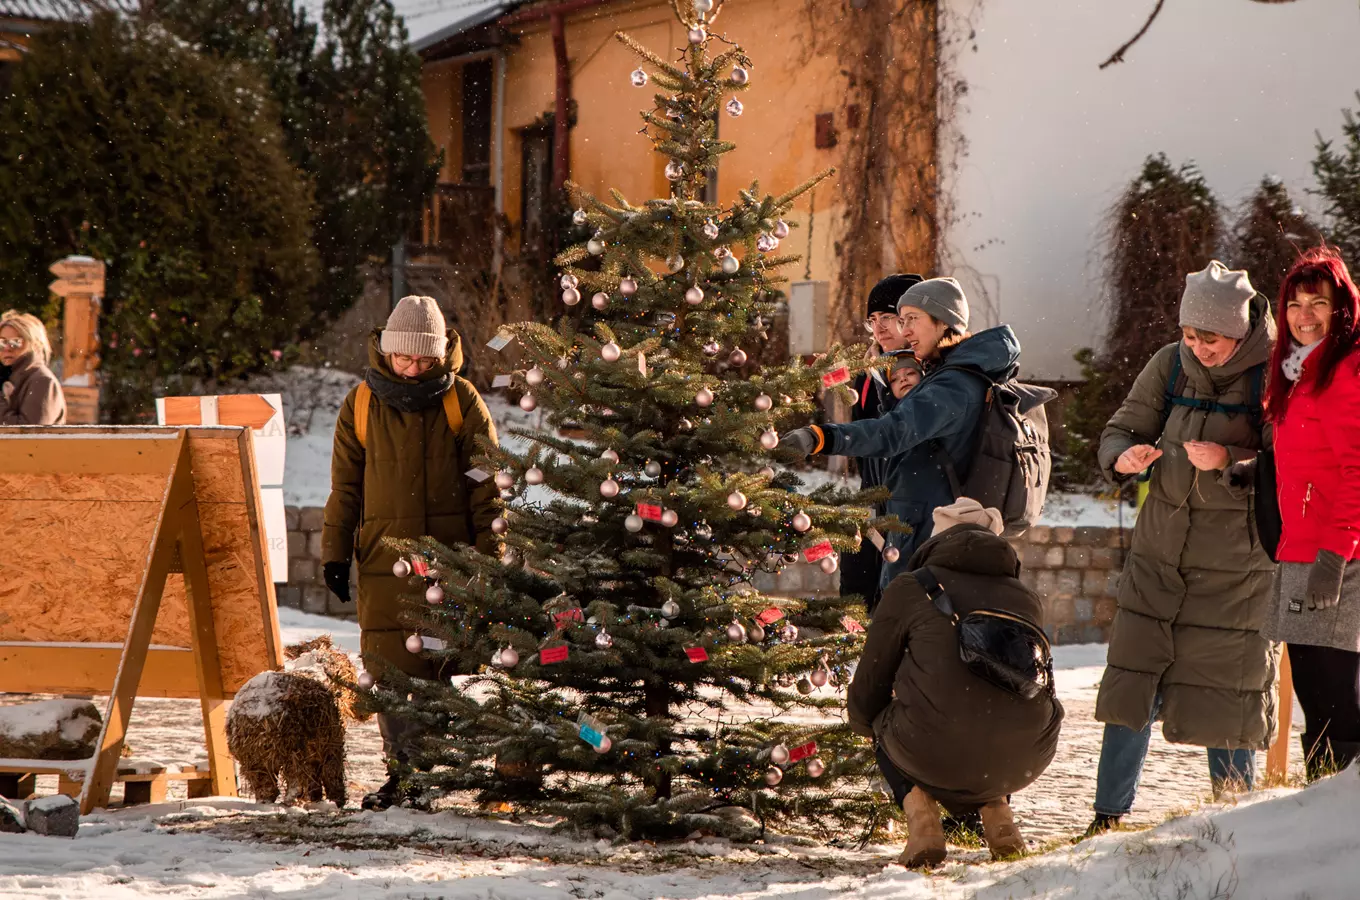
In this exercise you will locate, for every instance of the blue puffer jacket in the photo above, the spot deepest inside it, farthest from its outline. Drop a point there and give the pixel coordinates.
(941, 413)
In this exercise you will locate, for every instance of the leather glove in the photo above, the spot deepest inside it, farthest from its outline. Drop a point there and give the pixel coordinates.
(5, 372)
(804, 440)
(337, 579)
(1324, 580)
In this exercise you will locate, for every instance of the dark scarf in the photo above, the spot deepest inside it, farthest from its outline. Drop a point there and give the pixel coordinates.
(409, 396)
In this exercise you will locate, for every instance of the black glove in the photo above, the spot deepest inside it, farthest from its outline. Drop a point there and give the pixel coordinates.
(804, 440)
(337, 579)
(5, 372)
(1324, 580)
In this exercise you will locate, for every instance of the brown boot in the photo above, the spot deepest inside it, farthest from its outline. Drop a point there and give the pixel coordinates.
(1000, 831)
(925, 834)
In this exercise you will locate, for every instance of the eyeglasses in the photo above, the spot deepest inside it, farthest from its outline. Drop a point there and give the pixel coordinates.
(12, 343)
(422, 363)
(911, 320)
(878, 319)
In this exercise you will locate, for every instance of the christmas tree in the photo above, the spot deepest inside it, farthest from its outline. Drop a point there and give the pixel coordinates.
(622, 671)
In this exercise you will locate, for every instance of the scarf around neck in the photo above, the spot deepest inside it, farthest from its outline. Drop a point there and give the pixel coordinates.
(409, 397)
(1292, 367)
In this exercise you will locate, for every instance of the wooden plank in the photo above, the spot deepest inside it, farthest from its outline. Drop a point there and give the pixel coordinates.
(95, 456)
(264, 578)
(82, 404)
(62, 487)
(39, 669)
(183, 411)
(1277, 757)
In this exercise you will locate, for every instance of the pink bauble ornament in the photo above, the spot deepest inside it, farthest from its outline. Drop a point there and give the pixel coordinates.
(594, 246)
(818, 677)
(414, 644)
(730, 265)
(528, 403)
(401, 568)
(609, 488)
(740, 75)
(697, 35)
(774, 775)
(801, 521)
(764, 402)
(534, 377)
(829, 564)
(737, 357)
(779, 754)
(633, 522)
(734, 107)
(780, 230)
(611, 352)
(694, 296)
(766, 242)
(804, 686)
(652, 469)
(789, 633)
(815, 768)
(736, 500)
(366, 681)
(891, 554)
(765, 472)
(500, 525)
(533, 475)
(571, 296)
(611, 457)
(670, 518)
(569, 281)
(756, 633)
(600, 300)
(605, 744)
(509, 658)
(639, 78)
(627, 286)
(736, 632)
(434, 594)
(704, 397)
(711, 348)
(769, 439)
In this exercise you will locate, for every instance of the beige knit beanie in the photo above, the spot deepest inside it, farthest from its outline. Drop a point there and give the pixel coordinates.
(1218, 299)
(967, 511)
(415, 328)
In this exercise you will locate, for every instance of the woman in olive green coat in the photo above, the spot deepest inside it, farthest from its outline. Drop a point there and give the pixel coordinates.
(1186, 643)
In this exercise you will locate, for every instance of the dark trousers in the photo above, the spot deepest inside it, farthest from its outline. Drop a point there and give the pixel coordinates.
(900, 785)
(1327, 683)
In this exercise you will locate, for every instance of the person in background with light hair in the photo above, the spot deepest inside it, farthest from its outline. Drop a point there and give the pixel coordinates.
(29, 393)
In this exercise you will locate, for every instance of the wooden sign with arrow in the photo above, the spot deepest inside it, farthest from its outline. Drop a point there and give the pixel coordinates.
(80, 283)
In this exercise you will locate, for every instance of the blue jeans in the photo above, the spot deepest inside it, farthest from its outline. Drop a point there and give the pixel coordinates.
(1124, 750)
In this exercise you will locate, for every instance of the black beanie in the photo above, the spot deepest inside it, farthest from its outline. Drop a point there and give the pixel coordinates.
(883, 296)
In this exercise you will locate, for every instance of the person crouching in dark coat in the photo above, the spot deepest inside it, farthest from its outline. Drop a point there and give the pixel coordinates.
(945, 736)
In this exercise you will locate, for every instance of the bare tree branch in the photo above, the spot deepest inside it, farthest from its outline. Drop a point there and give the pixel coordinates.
(1118, 55)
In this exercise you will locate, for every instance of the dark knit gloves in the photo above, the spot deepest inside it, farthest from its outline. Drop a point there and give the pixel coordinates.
(806, 441)
(337, 579)
(1324, 580)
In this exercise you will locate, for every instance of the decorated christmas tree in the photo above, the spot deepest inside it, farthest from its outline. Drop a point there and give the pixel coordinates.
(616, 665)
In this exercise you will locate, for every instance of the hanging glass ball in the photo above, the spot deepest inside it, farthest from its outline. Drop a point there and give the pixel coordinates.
(401, 568)
(736, 632)
(815, 767)
(670, 609)
(765, 472)
(740, 75)
(528, 403)
(594, 246)
(606, 744)
(670, 518)
(366, 681)
(604, 640)
(610, 456)
(818, 677)
(675, 263)
(703, 531)
(508, 557)
(611, 352)
(774, 775)
(652, 469)
(737, 357)
(571, 296)
(533, 475)
(789, 633)
(734, 107)
(703, 6)
(730, 265)
(780, 230)
(500, 525)
(711, 348)
(765, 243)
(434, 594)
(779, 754)
(804, 686)
(801, 521)
(609, 488)
(674, 170)
(756, 633)
(663, 624)
(697, 35)
(569, 281)
(736, 500)
(784, 680)
(534, 377)
(694, 296)
(891, 554)
(769, 439)
(414, 644)
(710, 230)
(600, 300)
(639, 79)
(509, 658)
(633, 522)
(627, 286)
(579, 217)
(764, 402)
(790, 558)
(829, 564)
(704, 397)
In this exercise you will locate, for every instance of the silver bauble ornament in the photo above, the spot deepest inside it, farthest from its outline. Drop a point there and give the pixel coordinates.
(891, 554)
(730, 265)
(815, 767)
(611, 352)
(789, 633)
(697, 35)
(414, 644)
(366, 681)
(610, 456)
(779, 754)
(670, 518)
(508, 557)
(703, 6)
(434, 594)
(604, 640)
(756, 633)
(829, 564)
(780, 230)
(737, 357)
(736, 632)
(818, 677)
(766, 242)
(764, 402)
(736, 500)
(694, 296)
(740, 75)
(606, 744)
(579, 217)
(670, 609)
(710, 230)
(528, 403)
(790, 558)
(652, 469)
(401, 568)
(734, 107)
(533, 475)
(500, 525)
(711, 348)
(571, 296)
(804, 686)
(704, 397)
(633, 522)
(703, 531)
(801, 521)
(534, 377)
(600, 300)
(569, 280)
(774, 775)
(627, 286)
(594, 246)
(509, 658)
(674, 170)
(639, 79)
(769, 439)
(675, 263)
(609, 488)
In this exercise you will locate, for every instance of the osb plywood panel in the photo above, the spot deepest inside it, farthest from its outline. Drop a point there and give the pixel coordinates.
(216, 463)
(73, 569)
(66, 486)
(91, 453)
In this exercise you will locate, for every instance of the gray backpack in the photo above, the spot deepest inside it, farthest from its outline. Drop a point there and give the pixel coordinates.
(1010, 462)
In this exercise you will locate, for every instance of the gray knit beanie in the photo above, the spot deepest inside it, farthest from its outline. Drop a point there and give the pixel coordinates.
(1218, 299)
(941, 298)
(415, 328)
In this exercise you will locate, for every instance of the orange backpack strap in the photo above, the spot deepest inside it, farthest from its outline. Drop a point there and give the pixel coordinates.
(361, 402)
(452, 411)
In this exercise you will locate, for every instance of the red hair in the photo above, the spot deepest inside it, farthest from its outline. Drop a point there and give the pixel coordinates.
(1315, 267)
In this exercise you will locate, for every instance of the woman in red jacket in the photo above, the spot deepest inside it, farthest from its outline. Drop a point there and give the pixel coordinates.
(1314, 403)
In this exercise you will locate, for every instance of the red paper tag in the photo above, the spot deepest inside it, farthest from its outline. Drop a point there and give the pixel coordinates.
(818, 551)
(770, 616)
(419, 566)
(851, 625)
(803, 752)
(649, 511)
(835, 377)
(549, 655)
(568, 615)
(696, 654)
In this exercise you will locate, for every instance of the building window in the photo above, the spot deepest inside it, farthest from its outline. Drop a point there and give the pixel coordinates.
(536, 185)
(477, 114)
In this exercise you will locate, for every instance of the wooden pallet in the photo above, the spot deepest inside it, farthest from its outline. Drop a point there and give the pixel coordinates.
(143, 782)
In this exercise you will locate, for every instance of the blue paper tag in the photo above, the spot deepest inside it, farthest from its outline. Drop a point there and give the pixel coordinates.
(591, 736)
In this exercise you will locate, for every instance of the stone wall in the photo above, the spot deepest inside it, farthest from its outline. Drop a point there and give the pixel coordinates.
(1075, 570)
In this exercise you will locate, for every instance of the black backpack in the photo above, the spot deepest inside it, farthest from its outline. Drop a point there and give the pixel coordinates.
(1011, 462)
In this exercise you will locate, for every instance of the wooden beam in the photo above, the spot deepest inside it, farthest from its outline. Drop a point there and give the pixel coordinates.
(73, 669)
(1277, 757)
(263, 577)
(22, 454)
